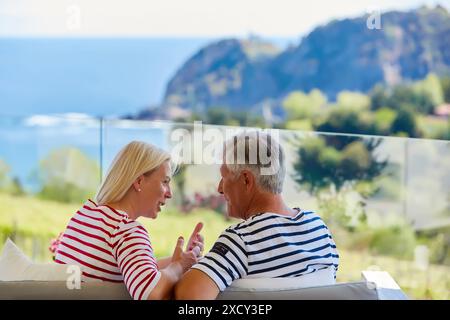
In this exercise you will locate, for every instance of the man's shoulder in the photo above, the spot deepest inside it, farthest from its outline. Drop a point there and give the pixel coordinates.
(239, 227)
(267, 217)
(263, 219)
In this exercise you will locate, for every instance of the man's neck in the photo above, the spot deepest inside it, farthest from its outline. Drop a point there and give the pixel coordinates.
(268, 202)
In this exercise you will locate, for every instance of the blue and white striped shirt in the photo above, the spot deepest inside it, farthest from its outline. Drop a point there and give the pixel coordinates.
(269, 245)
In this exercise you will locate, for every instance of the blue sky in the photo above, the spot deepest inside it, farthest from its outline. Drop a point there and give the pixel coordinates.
(181, 18)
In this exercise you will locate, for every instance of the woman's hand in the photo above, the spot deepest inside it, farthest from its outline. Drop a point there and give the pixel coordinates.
(196, 240)
(195, 244)
(180, 263)
(184, 259)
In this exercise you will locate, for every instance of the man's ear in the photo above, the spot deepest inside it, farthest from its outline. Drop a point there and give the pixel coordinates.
(248, 178)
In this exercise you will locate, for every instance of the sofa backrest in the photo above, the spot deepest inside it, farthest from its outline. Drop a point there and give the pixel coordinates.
(57, 290)
(340, 291)
(52, 290)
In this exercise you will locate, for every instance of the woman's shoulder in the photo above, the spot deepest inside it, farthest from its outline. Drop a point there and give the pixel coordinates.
(104, 208)
(130, 227)
(113, 218)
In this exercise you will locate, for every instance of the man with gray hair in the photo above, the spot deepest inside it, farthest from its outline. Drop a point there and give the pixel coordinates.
(273, 241)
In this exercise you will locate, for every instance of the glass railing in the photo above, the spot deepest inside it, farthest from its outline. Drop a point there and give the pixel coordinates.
(386, 200)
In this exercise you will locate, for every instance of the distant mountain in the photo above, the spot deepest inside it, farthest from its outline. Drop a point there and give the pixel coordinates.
(341, 55)
(230, 71)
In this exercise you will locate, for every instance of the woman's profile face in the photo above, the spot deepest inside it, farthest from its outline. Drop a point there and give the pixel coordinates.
(155, 190)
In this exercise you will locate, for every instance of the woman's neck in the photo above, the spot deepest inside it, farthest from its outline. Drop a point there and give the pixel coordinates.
(126, 206)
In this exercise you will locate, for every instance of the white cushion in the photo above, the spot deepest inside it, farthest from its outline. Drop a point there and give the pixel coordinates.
(16, 266)
(322, 277)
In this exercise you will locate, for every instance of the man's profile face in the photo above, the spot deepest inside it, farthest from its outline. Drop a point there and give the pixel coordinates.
(233, 190)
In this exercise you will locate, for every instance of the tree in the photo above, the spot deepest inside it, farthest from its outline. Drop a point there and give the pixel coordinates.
(416, 98)
(431, 87)
(383, 119)
(218, 116)
(405, 123)
(180, 181)
(336, 169)
(315, 164)
(16, 188)
(68, 175)
(346, 120)
(325, 161)
(378, 97)
(422, 96)
(225, 116)
(12, 186)
(353, 100)
(299, 105)
(4, 171)
(247, 119)
(445, 84)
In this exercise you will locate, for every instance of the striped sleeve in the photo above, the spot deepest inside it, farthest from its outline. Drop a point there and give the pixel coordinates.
(226, 261)
(134, 255)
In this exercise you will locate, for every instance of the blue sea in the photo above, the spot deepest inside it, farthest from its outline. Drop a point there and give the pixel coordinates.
(95, 76)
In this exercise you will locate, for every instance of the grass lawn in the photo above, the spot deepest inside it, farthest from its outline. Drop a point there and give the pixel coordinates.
(417, 284)
(26, 218)
(35, 222)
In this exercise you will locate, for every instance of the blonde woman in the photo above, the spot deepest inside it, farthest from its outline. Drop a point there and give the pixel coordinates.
(104, 238)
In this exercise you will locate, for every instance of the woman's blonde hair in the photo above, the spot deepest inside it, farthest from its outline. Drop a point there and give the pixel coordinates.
(135, 159)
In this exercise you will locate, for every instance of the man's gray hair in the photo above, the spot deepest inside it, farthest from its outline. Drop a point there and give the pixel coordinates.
(259, 153)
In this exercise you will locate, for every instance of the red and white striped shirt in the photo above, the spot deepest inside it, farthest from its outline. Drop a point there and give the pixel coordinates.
(109, 246)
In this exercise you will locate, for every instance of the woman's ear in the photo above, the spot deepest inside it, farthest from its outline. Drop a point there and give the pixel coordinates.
(138, 183)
